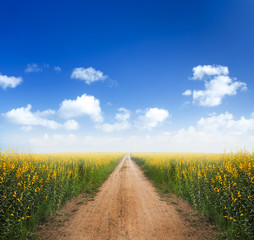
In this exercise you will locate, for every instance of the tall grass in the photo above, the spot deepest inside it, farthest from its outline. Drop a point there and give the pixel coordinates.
(220, 186)
(34, 186)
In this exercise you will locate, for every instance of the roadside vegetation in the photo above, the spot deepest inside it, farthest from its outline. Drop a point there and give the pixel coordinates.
(34, 186)
(219, 186)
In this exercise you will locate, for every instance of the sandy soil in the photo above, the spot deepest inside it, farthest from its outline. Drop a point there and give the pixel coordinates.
(128, 207)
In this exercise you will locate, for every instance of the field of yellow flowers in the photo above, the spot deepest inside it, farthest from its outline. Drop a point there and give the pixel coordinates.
(221, 186)
(34, 186)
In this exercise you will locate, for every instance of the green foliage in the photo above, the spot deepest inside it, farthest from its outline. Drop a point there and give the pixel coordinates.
(34, 186)
(220, 186)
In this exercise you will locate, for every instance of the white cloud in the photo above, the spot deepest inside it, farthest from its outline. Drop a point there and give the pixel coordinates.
(45, 113)
(123, 114)
(151, 118)
(122, 123)
(71, 125)
(84, 105)
(89, 75)
(57, 69)
(210, 134)
(23, 116)
(214, 133)
(148, 119)
(199, 72)
(188, 92)
(225, 122)
(33, 68)
(11, 82)
(217, 86)
(216, 89)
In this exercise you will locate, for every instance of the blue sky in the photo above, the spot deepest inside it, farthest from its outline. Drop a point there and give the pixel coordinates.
(127, 75)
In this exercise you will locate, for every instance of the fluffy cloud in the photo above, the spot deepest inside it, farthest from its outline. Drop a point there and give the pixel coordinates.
(122, 123)
(123, 115)
(200, 72)
(188, 92)
(45, 113)
(84, 105)
(217, 85)
(216, 89)
(11, 82)
(33, 68)
(212, 133)
(89, 75)
(28, 120)
(71, 125)
(225, 123)
(216, 132)
(23, 116)
(151, 118)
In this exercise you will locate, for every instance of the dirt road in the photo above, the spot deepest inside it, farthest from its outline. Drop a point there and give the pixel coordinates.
(128, 208)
